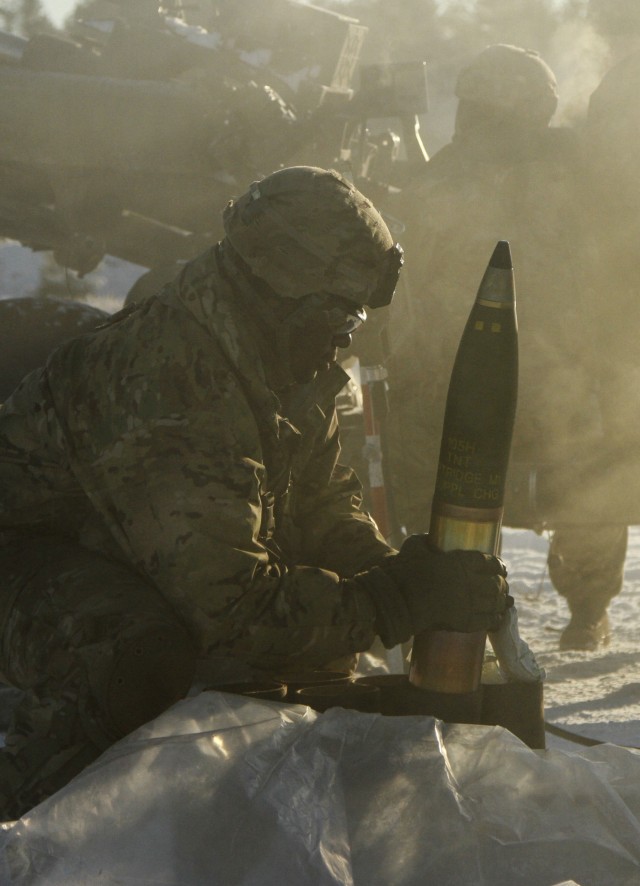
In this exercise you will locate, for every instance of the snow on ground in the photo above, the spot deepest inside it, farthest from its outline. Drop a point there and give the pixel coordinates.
(20, 269)
(596, 694)
(23, 272)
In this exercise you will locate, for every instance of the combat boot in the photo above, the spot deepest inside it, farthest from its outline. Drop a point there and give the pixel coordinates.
(588, 629)
(586, 565)
(46, 746)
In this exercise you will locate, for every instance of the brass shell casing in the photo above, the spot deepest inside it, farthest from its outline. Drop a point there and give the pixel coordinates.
(466, 529)
(450, 661)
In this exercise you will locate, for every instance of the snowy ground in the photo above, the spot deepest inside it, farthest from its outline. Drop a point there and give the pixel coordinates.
(23, 272)
(594, 694)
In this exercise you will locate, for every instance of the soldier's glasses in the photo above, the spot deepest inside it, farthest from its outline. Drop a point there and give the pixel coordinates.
(344, 320)
(389, 279)
(339, 315)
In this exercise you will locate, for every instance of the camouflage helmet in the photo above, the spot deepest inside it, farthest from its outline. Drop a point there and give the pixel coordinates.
(307, 230)
(512, 80)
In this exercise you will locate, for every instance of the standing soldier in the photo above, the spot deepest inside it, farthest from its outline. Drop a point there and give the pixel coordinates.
(506, 175)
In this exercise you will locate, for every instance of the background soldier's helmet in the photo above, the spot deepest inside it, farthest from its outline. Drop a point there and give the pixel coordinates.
(307, 230)
(511, 80)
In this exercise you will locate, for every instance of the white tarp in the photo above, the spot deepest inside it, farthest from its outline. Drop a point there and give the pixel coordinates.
(227, 791)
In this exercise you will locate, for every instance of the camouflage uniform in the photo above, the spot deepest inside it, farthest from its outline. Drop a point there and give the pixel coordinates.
(158, 493)
(506, 175)
(170, 490)
(30, 328)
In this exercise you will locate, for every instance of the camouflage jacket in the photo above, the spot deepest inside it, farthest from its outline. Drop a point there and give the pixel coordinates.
(158, 440)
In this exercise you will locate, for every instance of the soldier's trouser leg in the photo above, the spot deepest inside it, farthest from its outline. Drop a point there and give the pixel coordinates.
(99, 653)
(586, 565)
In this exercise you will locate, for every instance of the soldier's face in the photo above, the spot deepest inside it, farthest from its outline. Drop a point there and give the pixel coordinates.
(313, 350)
(319, 326)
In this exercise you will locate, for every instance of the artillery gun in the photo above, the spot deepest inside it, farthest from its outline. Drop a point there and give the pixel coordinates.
(128, 136)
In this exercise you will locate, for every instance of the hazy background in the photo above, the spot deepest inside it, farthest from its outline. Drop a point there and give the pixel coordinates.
(58, 10)
(580, 39)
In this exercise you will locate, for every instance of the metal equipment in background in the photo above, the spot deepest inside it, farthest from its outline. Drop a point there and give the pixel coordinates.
(127, 137)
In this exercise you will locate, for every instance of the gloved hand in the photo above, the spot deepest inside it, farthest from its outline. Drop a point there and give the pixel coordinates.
(423, 588)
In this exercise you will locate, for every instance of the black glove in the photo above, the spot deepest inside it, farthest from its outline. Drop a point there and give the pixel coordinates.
(423, 588)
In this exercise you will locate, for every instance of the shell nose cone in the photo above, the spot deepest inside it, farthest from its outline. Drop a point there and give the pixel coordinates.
(498, 285)
(501, 257)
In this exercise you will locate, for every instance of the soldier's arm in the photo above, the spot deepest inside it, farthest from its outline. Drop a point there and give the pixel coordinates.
(336, 532)
(182, 495)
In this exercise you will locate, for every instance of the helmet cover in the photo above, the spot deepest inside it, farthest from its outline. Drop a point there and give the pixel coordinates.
(511, 79)
(307, 230)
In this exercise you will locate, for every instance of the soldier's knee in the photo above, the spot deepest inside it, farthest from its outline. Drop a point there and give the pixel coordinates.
(152, 668)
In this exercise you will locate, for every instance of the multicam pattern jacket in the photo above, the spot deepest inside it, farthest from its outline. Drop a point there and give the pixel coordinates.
(157, 440)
